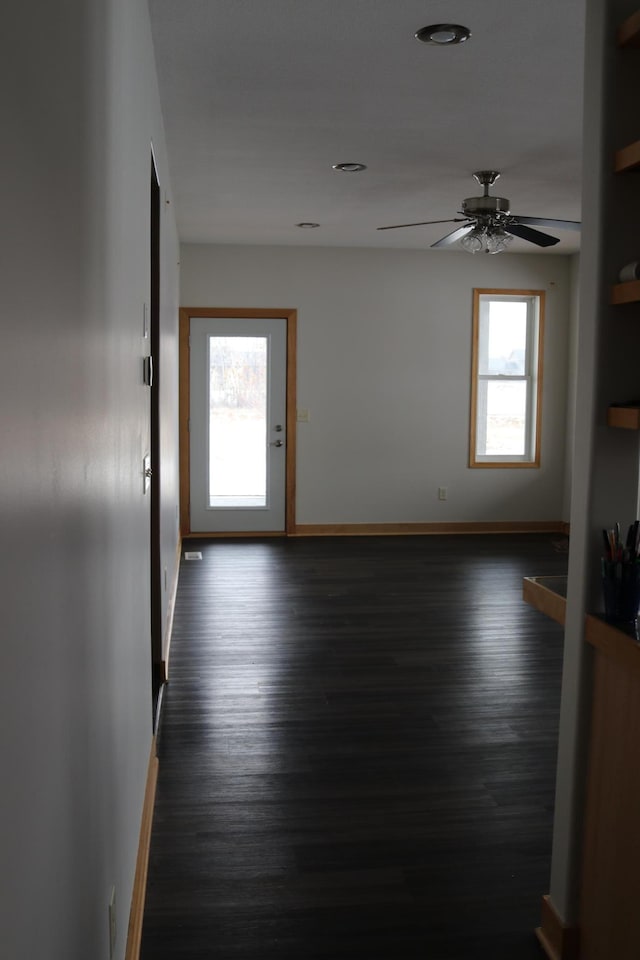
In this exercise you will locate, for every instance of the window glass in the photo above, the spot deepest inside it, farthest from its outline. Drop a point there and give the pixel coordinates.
(507, 337)
(506, 418)
(237, 421)
(506, 378)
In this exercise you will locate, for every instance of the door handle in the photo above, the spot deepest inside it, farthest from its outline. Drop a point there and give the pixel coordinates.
(277, 443)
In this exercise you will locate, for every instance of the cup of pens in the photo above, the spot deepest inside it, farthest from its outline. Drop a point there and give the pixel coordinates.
(621, 574)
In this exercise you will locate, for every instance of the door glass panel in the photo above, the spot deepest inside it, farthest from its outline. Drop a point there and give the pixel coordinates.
(506, 408)
(237, 422)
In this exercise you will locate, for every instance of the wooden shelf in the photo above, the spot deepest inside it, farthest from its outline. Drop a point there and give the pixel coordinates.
(628, 418)
(629, 31)
(626, 292)
(627, 158)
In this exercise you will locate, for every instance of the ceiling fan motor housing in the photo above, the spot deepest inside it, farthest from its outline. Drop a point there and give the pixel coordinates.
(485, 207)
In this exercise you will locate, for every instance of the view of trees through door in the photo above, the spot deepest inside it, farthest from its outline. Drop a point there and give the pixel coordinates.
(237, 421)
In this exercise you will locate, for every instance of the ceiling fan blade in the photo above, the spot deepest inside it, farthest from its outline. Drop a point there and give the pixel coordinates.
(457, 234)
(423, 223)
(546, 222)
(533, 236)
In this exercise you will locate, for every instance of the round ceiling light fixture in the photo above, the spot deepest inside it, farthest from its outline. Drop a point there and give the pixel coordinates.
(443, 34)
(307, 225)
(349, 167)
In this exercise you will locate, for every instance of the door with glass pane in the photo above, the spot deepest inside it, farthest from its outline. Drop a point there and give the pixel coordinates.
(237, 430)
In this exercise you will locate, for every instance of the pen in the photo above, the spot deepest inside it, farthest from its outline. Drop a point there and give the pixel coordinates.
(630, 541)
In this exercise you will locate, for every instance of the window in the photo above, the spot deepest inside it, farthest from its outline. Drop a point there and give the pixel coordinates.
(506, 385)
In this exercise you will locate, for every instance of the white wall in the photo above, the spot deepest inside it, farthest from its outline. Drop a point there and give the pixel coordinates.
(572, 379)
(384, 356)
(75, 713)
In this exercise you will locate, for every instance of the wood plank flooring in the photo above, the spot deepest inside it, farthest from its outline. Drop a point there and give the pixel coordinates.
(357, 751)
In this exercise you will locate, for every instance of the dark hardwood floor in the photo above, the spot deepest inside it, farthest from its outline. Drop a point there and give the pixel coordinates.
(357, 752)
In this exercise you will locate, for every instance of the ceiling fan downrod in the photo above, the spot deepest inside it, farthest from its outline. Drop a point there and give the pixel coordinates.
(486, 179)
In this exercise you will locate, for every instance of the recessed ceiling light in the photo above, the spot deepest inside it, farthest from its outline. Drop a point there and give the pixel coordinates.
(349, 167)
(443, 34)
(307, 225)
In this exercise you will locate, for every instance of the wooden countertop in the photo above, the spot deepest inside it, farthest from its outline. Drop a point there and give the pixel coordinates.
(617, 642)
(547, 594)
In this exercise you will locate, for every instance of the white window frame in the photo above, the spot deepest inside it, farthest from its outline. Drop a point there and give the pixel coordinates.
(534, 300)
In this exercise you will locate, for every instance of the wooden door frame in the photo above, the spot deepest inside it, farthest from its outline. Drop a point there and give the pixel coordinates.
(291, 317)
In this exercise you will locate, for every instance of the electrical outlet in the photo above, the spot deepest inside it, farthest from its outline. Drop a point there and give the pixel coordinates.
(113, 930)
(442, 493)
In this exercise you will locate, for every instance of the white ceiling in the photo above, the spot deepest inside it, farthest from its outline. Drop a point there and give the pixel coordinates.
(261, 97)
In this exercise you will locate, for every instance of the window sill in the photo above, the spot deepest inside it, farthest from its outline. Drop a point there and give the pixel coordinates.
(502, 464)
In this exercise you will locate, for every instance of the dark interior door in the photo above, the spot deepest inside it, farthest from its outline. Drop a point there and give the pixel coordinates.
(154, 350)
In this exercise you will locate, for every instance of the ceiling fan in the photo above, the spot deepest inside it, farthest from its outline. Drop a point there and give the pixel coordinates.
(489, 225)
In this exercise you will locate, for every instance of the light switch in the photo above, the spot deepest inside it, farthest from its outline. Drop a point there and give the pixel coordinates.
(303, 416)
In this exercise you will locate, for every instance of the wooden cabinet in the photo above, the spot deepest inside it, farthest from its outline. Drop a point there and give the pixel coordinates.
(610, 918)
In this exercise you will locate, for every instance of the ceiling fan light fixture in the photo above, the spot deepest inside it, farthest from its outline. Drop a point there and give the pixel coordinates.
(473, 242)
(498, 240)
(443, 34)
(349, 167)
(486, 239)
